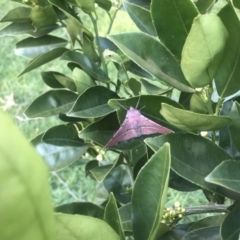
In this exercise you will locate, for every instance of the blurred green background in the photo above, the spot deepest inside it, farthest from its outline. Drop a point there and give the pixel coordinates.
(69, 184)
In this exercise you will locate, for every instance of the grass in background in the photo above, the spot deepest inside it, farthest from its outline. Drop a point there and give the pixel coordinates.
(16, 94)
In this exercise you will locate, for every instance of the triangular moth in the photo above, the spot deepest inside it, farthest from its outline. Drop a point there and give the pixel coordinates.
(135, 125)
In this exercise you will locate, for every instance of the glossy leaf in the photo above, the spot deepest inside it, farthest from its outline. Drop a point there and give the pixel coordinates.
(207, 233)
(32, 47)
(82, 208)
(134, 86)
(18, 15)
(24, 188)
(43, 16)
(89, 48)
(227, 175)
(173, 31)
(235, 125)
(230, 229)
(145, 51)
(86, 5)
(82, 80)
(66, 82)
(74, 227)
(51, 103)
(140, 16)
(86, 64)
(50, 79)
(69, 12)
(16, 28)
(149, 195)
(58, 157)
(153, 89)
(100, 172)
(63, 135)
(203, 50)
(208, 222)
(118, 181)
(93, 103)
(111, 216)
(190, 121)
(193, 157)
(125, 213)
(227, 75)
(105, 4)
(43, 59)
(204, 5)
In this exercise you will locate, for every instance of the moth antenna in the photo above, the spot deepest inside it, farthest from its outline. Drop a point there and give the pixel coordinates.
(138, 101)
(121, 105)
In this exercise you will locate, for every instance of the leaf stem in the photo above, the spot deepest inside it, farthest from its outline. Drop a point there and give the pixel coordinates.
(112, 18)
(211, 208)
(94, 21)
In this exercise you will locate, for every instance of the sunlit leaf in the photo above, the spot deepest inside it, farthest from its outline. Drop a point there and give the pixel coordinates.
(51, 103)
(149, 195)
(24, 188)
(203, 50)
(74, 227)
(190, 121)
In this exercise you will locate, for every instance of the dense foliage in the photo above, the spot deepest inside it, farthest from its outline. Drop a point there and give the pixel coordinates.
(181, 69)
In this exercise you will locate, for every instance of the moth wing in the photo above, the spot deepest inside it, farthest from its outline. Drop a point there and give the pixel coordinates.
(148, 127)
(125, 132)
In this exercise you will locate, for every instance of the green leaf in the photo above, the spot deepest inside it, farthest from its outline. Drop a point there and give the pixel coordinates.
(173, 31)
(105, 4)
(32, 47)
(63, 135)
(204, 5)
(154, 89)
(226, 175)
(18, 15)
(149, 195)
(16, 28)
(86, 5)
(111, 216)
(89, 48)
(72, 227)
(57, 157)
(190, 121)
(145, 51)
(118, 181)
(82, 80)
(43, 59)
(66, 82)
(125, 213)
(141, 17)
(82, 208)
(227, 75)
(134, 85)
(24, 188)
(87, 65)
(193, 157)
(43, 16)
(100, 172)
(51, 103)
(208, 222)
(93, 103)
(69, 12)
(207, 233)
(230, 228)
(203, 50)
(235, 125)
(50, 79)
